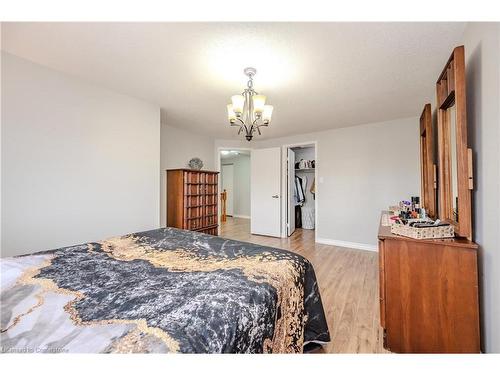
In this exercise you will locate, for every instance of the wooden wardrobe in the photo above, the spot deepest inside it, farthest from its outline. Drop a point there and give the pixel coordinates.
(192, 198)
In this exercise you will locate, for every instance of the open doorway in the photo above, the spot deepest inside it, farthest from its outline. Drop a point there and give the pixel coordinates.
(300, 188)
(235, 191)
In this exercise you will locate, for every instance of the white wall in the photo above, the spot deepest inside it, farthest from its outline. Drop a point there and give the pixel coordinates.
(482, 49)
(361, 171)
(79, 163)
(178, 146)
(229, 144)
(241, 202)
(1, 57)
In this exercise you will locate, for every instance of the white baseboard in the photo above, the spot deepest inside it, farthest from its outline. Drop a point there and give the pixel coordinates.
(242, 216)
(351, 245)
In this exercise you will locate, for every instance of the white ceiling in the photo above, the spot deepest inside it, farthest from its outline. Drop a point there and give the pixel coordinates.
(317, 75)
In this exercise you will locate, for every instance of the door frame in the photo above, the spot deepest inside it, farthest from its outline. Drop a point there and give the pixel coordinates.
(284, 190)
(288, 183)
(218, 166)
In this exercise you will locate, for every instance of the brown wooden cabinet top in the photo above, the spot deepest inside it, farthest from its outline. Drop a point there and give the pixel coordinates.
(192, 170)
(384, 232)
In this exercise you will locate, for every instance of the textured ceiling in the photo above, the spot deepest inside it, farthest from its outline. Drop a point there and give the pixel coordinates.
(317, 75)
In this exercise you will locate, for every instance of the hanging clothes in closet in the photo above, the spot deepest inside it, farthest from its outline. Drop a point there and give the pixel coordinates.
(300, 187)
(299, 190)
(303, 184)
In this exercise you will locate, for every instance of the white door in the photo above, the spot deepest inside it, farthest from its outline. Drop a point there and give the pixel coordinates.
(265, 205)
(290, 209)
(228, 185)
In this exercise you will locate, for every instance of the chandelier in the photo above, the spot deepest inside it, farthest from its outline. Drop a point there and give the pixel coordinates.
(249, 110)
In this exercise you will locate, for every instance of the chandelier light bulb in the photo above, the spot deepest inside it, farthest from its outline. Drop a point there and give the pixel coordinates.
(230, 113)
(238, 103)
(267, 113)
(258, 103)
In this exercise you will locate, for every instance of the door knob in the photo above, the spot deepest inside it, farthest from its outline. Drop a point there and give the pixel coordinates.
(276, 196)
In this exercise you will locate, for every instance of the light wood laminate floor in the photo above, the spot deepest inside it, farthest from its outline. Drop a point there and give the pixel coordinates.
(348, 282)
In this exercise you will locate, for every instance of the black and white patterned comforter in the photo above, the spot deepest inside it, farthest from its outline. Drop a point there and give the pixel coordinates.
(165, 290)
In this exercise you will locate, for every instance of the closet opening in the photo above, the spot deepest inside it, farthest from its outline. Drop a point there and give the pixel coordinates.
(301, 189)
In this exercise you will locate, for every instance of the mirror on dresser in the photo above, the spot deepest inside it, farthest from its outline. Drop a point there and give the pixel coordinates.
(427, 166)
(452, 113)
(455, 175)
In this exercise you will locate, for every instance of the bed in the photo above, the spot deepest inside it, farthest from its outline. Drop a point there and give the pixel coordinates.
(161, 291)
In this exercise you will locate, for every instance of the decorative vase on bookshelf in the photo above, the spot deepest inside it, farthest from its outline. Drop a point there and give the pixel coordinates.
(195, 163)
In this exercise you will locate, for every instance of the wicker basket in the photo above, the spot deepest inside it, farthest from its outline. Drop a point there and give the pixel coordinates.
(308, 217)
(423, 233)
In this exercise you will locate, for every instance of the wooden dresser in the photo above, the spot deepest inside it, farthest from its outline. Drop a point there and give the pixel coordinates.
(428, 294)
(192, 198)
